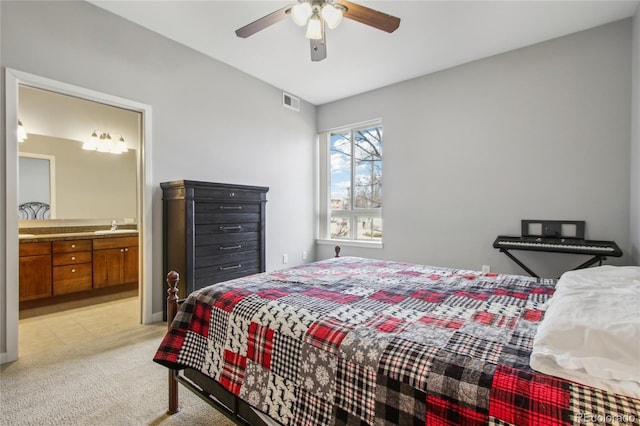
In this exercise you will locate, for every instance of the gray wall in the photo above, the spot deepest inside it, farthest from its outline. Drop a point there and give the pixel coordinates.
(542, 132)
(635, 143)
(211, 122)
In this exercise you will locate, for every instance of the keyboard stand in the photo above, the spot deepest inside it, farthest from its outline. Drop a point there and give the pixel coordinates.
(594, 259)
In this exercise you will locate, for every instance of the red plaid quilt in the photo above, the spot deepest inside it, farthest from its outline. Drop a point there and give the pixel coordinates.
(360, 341)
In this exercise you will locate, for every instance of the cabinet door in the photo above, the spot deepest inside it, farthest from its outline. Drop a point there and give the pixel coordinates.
(108, 266)
(130, 264)
(35, 277)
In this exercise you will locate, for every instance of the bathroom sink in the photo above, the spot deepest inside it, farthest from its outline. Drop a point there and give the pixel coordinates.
(117, 231)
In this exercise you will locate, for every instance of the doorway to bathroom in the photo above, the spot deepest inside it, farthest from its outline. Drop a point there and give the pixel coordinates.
(14, 81)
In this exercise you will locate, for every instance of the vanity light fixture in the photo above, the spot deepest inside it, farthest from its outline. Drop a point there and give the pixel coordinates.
(22, 132)
(104, 143)
(91, 144)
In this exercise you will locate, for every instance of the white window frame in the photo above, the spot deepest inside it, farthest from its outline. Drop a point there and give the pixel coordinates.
(324, 225)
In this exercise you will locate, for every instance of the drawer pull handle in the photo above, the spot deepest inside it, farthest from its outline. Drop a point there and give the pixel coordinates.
(230, 207)
(232, 194)
(226, 268)
(121, 250)
(126, 249)
(230, 228)
(73, 270)
(73, 258)
(73, 246)
(231, 247)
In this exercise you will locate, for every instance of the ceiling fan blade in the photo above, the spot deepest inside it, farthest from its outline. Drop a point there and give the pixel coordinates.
(264, 22)
(318, 49)
(370, 17)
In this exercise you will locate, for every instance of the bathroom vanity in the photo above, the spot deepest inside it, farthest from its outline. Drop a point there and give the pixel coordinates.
(70, 263)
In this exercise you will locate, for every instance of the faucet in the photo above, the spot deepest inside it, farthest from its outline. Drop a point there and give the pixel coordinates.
(114, 226)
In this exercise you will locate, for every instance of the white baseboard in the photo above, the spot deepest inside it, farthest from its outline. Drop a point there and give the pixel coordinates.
(156, 317)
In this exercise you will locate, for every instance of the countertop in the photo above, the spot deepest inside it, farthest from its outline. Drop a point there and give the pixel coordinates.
(71, 233)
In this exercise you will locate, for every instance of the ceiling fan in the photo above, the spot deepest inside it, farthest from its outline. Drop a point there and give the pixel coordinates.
(315, 14)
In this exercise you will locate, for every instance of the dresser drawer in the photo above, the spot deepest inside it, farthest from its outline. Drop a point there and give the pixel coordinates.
(226, 218)
(71, 245)
(214, 274)
(72, 258)
(226, 239)
(225, 258)
(230, 194)
(226, 248)
(205, 231)
(215, 208)
(71, 278)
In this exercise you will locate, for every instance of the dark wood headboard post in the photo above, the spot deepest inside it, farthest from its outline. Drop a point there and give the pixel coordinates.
(172, 309)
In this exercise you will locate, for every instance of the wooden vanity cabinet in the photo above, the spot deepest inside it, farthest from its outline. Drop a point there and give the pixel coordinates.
(35, 271)
(71, 266)
(115, 261)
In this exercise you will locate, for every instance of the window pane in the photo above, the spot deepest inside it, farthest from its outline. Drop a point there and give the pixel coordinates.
(340, 150)
(369, 228)
(340, 228)
(368, 157)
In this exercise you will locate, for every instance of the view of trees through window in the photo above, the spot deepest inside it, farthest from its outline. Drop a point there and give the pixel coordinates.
(356, 183)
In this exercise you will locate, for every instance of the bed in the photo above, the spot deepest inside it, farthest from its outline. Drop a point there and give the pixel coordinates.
(354, 341)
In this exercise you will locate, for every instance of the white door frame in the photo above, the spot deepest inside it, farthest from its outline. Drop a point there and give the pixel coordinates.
(10, 301)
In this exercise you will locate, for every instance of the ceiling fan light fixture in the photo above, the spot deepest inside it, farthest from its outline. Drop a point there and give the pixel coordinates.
(314, 28)
(332, 15)
(300, 13)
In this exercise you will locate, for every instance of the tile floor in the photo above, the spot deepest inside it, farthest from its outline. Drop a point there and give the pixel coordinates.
(51, 328)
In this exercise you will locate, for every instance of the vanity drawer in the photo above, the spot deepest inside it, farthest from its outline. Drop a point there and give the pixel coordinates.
(34, 249)
(71, 278)
(71, 245)
(72, 258)
(114, 242)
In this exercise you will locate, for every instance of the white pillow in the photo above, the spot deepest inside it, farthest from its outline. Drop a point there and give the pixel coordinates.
(591, 330)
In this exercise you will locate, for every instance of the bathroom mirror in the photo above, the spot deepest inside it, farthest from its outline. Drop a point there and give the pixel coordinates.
(83, 184)
(36, 192)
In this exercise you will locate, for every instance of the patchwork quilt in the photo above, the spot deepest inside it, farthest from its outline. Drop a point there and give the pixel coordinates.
(352, 341)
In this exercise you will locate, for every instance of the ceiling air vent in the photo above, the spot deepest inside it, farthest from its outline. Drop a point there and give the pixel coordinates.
(290, 101)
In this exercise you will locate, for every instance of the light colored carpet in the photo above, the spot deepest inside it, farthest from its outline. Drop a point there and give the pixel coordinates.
(93, 366)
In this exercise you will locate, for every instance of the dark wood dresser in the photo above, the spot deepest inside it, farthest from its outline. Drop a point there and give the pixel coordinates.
(213, 232)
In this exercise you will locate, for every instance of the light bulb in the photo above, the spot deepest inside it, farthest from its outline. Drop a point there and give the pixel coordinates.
(300, 13)
(121, 146)
(314, 28)
(105, 143)
(332, 15)
(22, 132)
(92, 143)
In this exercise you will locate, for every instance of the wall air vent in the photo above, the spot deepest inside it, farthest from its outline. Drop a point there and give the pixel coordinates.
(290, 101)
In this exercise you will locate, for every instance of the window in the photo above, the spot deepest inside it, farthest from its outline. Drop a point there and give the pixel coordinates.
(352, 192)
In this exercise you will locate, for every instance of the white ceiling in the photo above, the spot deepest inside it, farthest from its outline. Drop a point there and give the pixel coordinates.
(433, 35)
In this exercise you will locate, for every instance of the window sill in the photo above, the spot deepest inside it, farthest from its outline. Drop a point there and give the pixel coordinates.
(351, 243)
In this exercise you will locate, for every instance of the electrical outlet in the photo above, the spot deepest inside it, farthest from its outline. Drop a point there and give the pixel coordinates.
(285, 258)
(486, 268)
(304, 255)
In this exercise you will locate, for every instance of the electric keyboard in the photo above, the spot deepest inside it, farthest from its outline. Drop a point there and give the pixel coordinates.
(559, 245)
